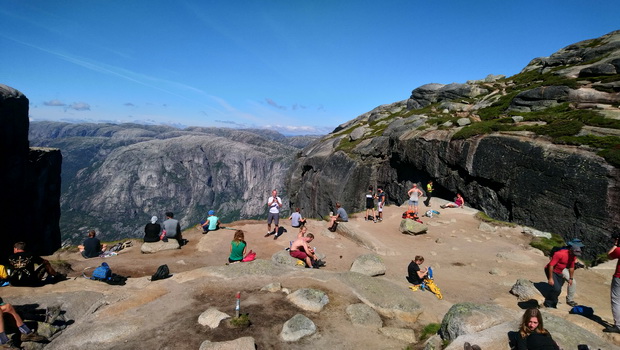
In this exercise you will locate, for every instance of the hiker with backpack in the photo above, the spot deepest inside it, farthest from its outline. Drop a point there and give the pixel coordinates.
(27, 334)
(23, 271)
(341, 216)
(237, 247)
(561, 259)
(92, 247)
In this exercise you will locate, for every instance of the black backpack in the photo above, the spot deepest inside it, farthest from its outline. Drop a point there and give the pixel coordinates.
(162, 272)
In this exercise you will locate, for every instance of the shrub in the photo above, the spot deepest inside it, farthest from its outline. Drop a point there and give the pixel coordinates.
(546, 244)
(429, 330)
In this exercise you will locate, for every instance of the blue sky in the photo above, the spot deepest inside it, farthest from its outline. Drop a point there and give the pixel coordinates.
(295, 66)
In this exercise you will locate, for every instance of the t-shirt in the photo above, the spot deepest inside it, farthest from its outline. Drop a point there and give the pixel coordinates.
(236, 253)
(429, 188)
(92, 247)
(22, 268)
(172, 227)
(415, 194)
(616, 255)
(295, 217)
(343, 214)
(370, 200)
(561, 260)
(274, 204)
(381, 198)
(412, 270)
(213, 222)
(536, 341)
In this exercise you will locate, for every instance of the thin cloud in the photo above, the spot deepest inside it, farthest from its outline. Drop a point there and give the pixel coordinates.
(129, 104)
(230, 122)
(297, 106)
(80, 106)
(299, 129)
(274, 104)
(54, 103)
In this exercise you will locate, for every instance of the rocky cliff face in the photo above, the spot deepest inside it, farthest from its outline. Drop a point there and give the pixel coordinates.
(117, 176)
(541, 148)
(31, 182)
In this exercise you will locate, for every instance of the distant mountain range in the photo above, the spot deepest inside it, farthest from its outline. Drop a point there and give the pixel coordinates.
(116, 176)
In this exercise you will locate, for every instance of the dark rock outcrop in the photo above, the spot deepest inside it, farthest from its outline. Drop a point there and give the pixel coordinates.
(519, 176)
(31, 182)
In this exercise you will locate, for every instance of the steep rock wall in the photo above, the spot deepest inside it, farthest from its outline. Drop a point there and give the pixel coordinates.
(29, 202)
(512, 177)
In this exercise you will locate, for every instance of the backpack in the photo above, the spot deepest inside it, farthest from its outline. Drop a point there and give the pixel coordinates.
(281, 231)
(555, 250)
(3, 274)
(249, 257)
(103, 272)
(162, 272)
(410, 214)
(582, 310)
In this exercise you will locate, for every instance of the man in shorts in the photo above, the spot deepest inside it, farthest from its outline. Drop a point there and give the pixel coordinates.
(300, 250)
(274, 203)
(370, 205)
(380, 202)
(26, 333)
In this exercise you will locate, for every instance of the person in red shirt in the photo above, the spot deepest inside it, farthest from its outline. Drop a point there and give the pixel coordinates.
(561, 259)
(614, 253)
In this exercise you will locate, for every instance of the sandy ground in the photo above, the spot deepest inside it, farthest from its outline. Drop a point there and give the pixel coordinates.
(469, 264)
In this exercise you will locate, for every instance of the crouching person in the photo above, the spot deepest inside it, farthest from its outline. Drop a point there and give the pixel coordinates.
(300, 250)
(26, 333)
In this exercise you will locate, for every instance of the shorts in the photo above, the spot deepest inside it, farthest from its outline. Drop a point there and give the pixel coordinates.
(413, 202)
(370, 203)
(380, 208)
(298, 254)
(273, 217)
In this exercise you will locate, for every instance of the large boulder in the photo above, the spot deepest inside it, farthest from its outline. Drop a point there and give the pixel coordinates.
(154, 247)
(244, 343)
(309, 299)
(412, 227)
(296, 328)
(364, 315)
(369, 265)
(467, 318)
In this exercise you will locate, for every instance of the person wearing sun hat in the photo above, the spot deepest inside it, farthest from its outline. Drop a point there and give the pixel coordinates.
(562, 259)
(211, 224)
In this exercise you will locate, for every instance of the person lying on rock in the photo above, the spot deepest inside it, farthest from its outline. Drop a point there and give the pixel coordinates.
(341, 216)
(416, 275)
(458, 202)
(92, 247)
(211, 224)
(26, 333)
(23, 272)
(300, 250)
(237, 247)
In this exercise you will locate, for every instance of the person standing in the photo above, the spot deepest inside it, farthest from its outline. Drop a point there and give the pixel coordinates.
(561, 259)
(429, 193)
(414, 196)
(380, 202)
(274, 203)
(173, 228)
(614, 253)
(370, 205)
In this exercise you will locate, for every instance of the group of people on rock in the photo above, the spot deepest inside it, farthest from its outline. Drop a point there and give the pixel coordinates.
(171, 229)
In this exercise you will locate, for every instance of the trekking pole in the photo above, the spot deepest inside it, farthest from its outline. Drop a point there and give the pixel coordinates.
(238, 304)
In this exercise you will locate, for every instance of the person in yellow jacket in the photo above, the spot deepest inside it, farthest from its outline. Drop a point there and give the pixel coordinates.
(429, 193)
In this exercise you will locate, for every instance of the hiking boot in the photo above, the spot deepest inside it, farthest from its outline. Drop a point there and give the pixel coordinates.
(572, 303)
(549, 305)
(33, 336)
(8, 345)
(467, 346)
(613, 329)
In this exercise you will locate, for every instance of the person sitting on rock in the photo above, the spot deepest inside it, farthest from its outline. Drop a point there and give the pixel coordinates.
(173, 229)
(341, 216)
(458, 202)
(26, 333)
(152, 231)
(296, 219)
(300, 250)
(211, 224)
(416, 275)
(23, 272)
(237, 247)
(92, 247)
(532, 334)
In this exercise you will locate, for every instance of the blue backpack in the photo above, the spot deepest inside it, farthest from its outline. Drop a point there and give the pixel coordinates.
(103, 272)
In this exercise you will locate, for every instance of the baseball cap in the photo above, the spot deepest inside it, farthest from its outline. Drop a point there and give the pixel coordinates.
(211, 212)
